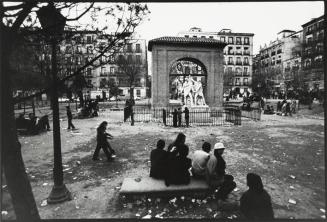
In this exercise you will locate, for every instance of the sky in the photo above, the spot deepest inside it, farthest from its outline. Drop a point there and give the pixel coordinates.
(264, 19)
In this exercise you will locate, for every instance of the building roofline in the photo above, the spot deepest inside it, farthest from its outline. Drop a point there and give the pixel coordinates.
(169, 40)
(220, 33)
(313, 21)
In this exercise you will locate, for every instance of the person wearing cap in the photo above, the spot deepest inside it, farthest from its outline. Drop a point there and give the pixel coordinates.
(216, 175)
(70, 117)
(200, 160)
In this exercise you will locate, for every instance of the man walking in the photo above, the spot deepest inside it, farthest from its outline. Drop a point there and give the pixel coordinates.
(70, 117)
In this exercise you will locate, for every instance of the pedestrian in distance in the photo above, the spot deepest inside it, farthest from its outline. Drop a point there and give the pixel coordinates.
(255, 203)
(102, 143)
(175, 118)
(179, 117)
(187, 117)
(70, 117)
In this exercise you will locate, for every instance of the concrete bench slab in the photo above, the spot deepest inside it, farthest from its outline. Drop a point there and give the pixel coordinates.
(149, 186)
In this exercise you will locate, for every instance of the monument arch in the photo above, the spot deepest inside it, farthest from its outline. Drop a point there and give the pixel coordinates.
(197, 64)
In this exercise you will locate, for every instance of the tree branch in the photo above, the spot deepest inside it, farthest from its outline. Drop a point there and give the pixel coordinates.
(78, 17)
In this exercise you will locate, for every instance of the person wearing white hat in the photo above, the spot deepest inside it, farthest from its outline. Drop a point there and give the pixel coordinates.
(216, 176)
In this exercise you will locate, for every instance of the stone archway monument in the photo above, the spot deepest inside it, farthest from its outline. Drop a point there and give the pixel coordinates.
(189, 70)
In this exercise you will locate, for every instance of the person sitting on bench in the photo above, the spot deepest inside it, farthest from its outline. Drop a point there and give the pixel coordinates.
(216, 176)
(158, 158)
(200, 160)
(178, 167)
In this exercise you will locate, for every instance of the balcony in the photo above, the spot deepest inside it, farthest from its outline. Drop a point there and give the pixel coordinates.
(246, 63)
(238, 43)
(230, 63)
(247, 53)
(238, 63)
(238, 53)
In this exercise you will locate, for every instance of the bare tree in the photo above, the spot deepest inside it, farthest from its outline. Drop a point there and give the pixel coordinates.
(16, 17)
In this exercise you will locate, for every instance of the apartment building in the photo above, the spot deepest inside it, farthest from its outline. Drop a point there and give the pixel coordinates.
(280, 58)
(313, 53)
(85, 45)
(238, 55)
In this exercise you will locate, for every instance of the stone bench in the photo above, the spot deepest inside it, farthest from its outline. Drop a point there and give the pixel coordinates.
(147, 186)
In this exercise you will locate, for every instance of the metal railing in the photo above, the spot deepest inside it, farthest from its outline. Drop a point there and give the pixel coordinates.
(229, 116)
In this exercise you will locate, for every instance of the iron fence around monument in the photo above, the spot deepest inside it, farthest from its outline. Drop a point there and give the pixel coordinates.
(205, 117)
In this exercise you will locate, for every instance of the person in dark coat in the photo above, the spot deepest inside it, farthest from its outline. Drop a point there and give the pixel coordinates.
(216, 175)
(158, 158)
(175, 118)
(187, 117)
(179, 141)
(164, 117)
(255, 203)
(70, 117)
(178, 167)
(179, 117)
(103, 143)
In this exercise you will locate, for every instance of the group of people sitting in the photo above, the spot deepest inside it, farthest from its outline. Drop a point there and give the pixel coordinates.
(33, 125)
(174, 167)
(90, 109)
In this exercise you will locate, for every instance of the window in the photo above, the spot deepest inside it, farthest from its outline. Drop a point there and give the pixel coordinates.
(89, 49)
(246, 61)
(246, 41)
(186, 36)
(138, 48)
(129, 58)
(230, 51)
(238, 41)
(211, 37)
(230, 69)
(103, 70)
(194, 36)
(230, 60)
(112, 70)
(89, 71)
(138, 59)
(245, 70)
(203, 37)
(230, 40)
(238, 61)
(111, 59)
(238, 51)
(138, 92)
(222, 38)
(88, 39)
(129, 47)
(246, 81)
(237, 81)
(120, 58)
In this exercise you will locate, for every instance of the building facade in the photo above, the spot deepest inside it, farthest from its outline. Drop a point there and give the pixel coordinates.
(85, 45)
(279, 59)
(238, 56)
(313, 53)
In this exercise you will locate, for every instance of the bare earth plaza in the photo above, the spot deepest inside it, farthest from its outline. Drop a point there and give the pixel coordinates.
(108, 114)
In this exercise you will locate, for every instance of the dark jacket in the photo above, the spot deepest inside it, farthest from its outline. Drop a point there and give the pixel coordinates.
(178, 170)
(221, 166)
(69, 114)
(256, 205)
(158, 160)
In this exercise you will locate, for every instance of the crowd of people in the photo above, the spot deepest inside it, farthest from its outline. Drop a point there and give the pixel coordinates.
(284, 108)
(174, 167)
(177, 117)
(90, 109)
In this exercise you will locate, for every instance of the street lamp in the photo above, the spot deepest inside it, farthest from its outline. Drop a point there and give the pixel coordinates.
(53, 24)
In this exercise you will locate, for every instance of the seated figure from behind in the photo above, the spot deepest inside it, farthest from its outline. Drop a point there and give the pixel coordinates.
(255, 203)
(158, 158)
(33, 125)
(200, 160)
(178, 166)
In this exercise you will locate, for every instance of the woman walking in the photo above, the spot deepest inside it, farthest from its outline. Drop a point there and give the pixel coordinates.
(103, 143)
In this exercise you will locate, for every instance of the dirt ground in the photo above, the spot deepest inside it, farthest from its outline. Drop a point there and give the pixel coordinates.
(288, 153)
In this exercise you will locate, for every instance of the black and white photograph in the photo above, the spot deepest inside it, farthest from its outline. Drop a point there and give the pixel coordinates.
(162, 110)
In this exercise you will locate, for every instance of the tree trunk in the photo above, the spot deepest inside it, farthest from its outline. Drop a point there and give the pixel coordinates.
(12, 161)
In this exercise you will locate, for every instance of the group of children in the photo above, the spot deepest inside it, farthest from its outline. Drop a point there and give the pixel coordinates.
(174, 167)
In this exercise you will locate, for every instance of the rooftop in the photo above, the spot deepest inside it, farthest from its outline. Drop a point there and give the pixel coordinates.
(169, 40)
(313, 21)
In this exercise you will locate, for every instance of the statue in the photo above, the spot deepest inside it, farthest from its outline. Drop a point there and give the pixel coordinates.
(198, 92)
(187, 89)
